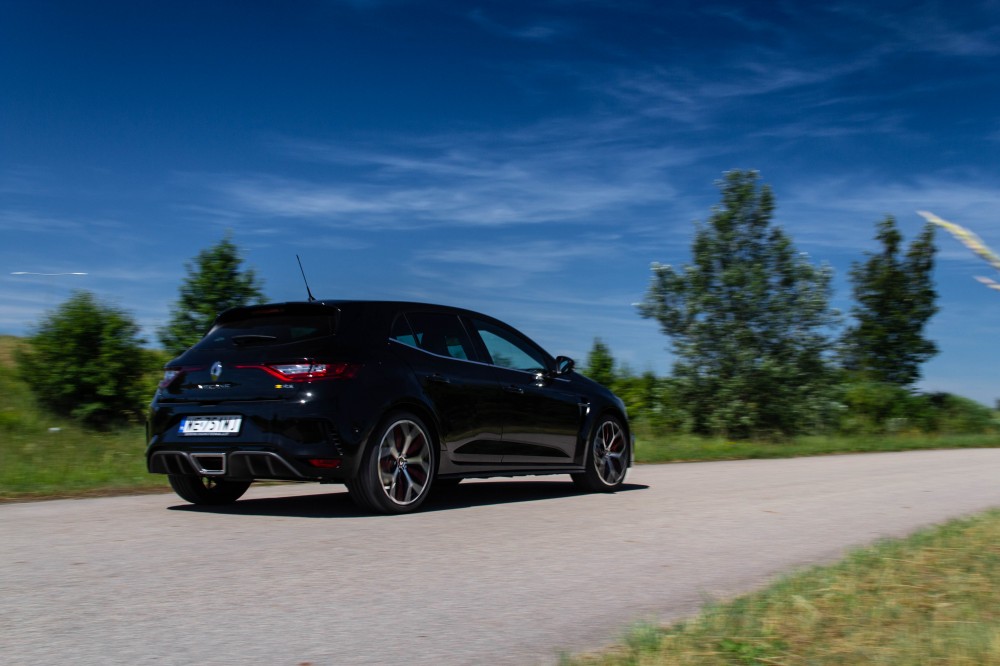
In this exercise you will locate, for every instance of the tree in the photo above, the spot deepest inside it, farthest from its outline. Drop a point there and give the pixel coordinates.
(215, 282)
(601, 364)
(85, 360)
(747, 321)
(894, 299)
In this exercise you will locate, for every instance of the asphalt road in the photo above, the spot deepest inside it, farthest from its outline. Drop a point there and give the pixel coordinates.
(497, 572)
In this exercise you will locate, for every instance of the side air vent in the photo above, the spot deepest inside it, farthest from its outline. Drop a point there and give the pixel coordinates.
(171, 462)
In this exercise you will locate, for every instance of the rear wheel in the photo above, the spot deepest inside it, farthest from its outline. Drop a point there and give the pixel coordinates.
(207, 489)
(607, 458)
(397, 467)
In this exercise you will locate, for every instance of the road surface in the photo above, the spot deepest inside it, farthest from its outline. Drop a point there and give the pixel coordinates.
(497, 572)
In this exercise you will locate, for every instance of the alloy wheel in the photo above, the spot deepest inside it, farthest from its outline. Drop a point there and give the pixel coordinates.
(404, 462)
(609, 453)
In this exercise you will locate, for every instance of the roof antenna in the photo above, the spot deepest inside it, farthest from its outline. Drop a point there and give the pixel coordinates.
(308, 291)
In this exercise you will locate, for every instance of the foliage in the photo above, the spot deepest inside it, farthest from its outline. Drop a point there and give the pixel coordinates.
(600, 364)
(215, 282)
(85, 360)
(895, 299)
(662, 448)
(747, 321)
(869, 415)
(43, 454)
(871, 407)
(955, 414)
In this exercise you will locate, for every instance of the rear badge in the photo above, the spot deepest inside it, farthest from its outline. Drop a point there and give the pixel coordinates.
(216, 370)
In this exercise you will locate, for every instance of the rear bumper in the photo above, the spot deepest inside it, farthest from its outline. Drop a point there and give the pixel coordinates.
(246, 465)
(282, 441)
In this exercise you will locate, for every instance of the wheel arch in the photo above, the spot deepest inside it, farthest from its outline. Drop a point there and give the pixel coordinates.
(598, 416)
(420, 410)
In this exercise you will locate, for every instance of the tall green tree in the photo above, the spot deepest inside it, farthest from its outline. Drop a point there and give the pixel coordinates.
(601, 364)
(85, 360)
(748, 321)
(216, 281)
(894, 299)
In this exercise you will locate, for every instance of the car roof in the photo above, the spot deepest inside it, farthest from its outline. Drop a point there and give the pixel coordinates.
(383, 306)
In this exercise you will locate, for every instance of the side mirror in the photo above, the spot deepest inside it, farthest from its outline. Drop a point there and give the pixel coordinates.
(564, 365)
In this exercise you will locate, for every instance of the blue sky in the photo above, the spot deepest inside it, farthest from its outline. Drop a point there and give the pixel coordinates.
(529, 160)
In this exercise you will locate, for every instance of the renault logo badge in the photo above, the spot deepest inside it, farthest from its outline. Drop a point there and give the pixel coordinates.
(216, 370)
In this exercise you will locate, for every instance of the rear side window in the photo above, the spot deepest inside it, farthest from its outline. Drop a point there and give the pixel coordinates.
(268, 330)
(435, 332)
(401, 332)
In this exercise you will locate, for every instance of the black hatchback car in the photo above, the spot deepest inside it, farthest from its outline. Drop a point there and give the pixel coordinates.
(388, 398)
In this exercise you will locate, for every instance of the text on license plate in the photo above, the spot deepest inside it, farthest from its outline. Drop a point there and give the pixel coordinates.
(211, 425)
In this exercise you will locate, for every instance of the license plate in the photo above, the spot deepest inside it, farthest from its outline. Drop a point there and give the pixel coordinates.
(211, 425)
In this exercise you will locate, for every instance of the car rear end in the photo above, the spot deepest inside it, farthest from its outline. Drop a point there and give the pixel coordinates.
(265, 395)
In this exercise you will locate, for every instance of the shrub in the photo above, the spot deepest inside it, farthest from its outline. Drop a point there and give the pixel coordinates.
(85, 361)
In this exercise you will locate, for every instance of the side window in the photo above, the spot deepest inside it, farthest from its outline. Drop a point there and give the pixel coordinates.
(509, 350)
(440, 333)
(401, 332)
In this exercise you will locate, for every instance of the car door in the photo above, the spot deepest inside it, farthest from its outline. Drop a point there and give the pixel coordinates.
(463, 392)
(543, 416)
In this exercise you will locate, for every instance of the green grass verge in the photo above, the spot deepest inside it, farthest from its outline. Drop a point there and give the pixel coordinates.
(38, 463)
(933, 598)
(45, 456)
(657, 449)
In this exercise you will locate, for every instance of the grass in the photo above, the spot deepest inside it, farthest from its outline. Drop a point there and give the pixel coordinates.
(659, 449)
(933, 598)
(38, 463)
(45, 456)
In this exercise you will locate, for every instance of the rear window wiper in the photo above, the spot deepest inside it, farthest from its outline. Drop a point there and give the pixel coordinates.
(250, 339)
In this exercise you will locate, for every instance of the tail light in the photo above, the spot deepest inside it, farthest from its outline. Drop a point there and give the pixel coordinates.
(307, 371)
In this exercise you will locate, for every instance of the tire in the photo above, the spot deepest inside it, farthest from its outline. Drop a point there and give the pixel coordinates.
(397, 467)
(207, 490)
(607, 458)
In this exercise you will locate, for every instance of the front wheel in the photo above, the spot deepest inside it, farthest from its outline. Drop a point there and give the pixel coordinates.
(606, 459)
(207, 490)
(397, 467)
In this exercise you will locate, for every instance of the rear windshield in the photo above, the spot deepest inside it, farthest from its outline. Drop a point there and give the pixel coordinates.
(267, 331)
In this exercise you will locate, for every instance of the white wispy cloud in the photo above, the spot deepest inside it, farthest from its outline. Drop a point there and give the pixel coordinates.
(682, 92)
(529, 176)
(931, 27)
(514, 262)
(538, 30)
(37, 222)
(841, 211)
(21, 180)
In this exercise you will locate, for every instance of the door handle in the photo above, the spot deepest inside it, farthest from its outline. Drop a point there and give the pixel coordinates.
(438, 379)
(513, 388)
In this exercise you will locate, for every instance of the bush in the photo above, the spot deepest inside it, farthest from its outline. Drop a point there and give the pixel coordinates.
(955, 414)
(870, 407)
(85, 361)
